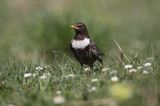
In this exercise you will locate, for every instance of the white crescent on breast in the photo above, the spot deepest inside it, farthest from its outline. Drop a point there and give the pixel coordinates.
(80, 44)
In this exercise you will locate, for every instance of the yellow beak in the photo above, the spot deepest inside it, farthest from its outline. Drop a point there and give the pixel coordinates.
(74, 27)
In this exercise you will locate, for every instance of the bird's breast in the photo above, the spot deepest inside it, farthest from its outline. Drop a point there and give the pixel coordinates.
(80, 44)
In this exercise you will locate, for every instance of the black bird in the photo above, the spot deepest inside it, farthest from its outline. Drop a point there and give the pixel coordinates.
(84, 49)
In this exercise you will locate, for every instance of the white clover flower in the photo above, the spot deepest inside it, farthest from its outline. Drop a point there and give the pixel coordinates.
(105, 69)
(70, 76)
(39, 68)
(87, 69)
(44, 76)
(58, 99)
(92, 89)
(27, 75)
(113, 72)
(48, 74)
(34, 74)
(3, 82)
(132, 70)
(148, 64)
(128, 66)
(114, 79)
(94, 67)
(58, 92)
(150, 58)
(139, 67)
(94, 80)
(10, 105)
(145, 72)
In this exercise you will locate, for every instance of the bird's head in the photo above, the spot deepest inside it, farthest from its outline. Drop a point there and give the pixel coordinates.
(79, 28)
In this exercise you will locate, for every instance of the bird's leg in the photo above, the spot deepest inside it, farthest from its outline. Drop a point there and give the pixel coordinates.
(101, 63)
(81, 66)
(91, 66)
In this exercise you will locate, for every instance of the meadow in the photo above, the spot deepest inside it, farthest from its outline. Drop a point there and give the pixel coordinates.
(38, 69)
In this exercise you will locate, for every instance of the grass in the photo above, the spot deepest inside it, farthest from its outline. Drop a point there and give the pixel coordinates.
(37, 33)
(20, 91)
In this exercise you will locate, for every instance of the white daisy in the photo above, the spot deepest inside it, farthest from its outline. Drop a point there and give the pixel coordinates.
(105, 69)
(10, 105)
(92, 89)
(145, 72)
(26, 75)
(132, 70)
(148, 64)
(70, 76)
(113, 72)
(94, 80)
(3, 82)
(87, 69)
(39, 68)
(44, 76)
(150, 58)
(34, 74)
(139, 67)
(114, 79)
(128, 66)
(58, 92)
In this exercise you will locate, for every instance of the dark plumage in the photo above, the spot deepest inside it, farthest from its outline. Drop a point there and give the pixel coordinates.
(84, 49)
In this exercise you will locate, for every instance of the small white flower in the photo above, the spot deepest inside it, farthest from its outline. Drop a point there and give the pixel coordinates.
(113, 72)
(34, 74)
(147, 64)
(87, 69)
(94, 67)
(145, 72)
(39, 68)
(10, 105)
(26, 75)
(48, 74)
(58, 99)
(114, 79)
(58, 92)
(44, 76)
(94, 80)
(92, 89)
(132, 70)
(150, 58)
(3, 82)
(140, 67)
(105, 69)
(70, 76)
(128, 66)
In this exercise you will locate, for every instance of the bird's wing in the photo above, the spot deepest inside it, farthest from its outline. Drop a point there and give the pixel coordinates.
(95, 51)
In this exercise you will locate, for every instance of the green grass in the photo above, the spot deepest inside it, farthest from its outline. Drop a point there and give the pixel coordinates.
(37, 33)
(20, 91)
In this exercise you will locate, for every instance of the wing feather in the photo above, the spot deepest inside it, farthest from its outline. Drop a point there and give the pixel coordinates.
(95, 51)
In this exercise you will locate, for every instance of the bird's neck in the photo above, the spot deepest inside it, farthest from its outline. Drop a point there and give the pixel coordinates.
(81, 32)
(80, 35)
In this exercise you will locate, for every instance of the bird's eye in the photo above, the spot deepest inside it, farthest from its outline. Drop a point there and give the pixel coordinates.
(80, 26)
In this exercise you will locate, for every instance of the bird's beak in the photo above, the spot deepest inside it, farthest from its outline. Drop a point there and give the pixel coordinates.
(74, 27)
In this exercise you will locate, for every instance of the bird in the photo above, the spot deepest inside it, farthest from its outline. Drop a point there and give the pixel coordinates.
(83, 47)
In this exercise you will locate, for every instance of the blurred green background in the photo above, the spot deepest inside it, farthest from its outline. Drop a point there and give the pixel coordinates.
(31, 30)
